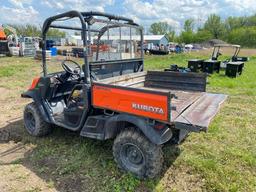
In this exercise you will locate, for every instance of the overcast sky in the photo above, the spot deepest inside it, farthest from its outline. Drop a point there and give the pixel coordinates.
(144, 12)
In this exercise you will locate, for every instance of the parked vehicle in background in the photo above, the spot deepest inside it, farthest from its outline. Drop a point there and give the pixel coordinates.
(179, 49)
(13, 40)
(234, 58)
(4, 50)
(188, 47)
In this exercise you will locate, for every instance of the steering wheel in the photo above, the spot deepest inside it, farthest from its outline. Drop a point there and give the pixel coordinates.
(71, 67)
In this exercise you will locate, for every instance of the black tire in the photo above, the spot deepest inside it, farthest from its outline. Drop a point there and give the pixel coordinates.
(134, 153)
(33, 121)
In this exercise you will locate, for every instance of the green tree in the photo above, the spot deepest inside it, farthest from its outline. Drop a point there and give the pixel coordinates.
(202, 35)
(189, 25)
(34, 31)
(235, 30)
(171, 36)
(215, 26)
(251, 21)
(187, 35)
(26, 30)
(160, 28)
(232, 23)
(245, 36)
(56, 33)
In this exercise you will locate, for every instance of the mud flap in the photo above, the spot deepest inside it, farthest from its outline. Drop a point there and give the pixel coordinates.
(198, 116)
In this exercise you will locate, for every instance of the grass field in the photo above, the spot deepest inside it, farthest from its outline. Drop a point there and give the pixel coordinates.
(224, 159)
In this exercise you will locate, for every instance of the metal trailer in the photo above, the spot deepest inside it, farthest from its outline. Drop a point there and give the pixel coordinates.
(158, 52)
(28, 46)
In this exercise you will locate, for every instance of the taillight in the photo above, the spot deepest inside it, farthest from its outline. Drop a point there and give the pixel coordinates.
(34, 83)
(159, 126)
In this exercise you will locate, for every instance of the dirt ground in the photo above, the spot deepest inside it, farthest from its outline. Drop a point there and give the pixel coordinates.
(15, 176)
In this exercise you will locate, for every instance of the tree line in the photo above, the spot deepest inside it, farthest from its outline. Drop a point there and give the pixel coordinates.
(31, 30)
(235, 30)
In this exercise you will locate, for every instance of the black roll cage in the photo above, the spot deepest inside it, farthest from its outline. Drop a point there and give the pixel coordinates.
(86, 19)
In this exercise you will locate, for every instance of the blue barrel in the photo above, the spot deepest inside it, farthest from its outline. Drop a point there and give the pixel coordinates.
(53, 51)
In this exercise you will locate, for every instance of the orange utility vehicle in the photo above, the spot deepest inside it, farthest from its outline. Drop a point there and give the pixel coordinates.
(108, 95)
(4, 50)
(2, 34)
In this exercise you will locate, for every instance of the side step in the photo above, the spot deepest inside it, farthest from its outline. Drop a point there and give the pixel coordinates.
(94, 127)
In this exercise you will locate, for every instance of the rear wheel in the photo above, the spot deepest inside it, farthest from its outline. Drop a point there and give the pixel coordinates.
(33, 121)
(134, 153)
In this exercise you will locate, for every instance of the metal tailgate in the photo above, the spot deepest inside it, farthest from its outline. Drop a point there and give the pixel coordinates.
(198, 115)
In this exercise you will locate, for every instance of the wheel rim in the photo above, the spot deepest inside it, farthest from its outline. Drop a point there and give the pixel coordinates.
(132, 157)
(30, 121)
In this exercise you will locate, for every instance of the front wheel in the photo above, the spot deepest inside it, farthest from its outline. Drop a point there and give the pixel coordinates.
(134, 153)
(34, 122)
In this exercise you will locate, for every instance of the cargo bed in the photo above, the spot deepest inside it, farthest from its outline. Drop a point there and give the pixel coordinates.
(170, 97)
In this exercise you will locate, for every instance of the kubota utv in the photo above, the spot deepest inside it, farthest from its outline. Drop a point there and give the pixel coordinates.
(106, 94)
